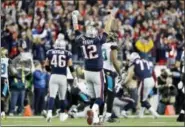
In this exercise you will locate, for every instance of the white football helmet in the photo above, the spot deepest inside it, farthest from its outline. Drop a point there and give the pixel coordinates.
(134, 56)
(91, 32)
(60, 42)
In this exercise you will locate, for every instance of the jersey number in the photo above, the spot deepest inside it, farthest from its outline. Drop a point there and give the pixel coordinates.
(142, 62)
(58, 61)
(3, 69)
(104, 54)
(92, 49)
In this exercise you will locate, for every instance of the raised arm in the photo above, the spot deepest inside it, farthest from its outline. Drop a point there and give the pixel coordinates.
(109, 22)
(75, 15)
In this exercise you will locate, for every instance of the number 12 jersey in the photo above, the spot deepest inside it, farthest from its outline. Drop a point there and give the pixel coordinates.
(92, 50)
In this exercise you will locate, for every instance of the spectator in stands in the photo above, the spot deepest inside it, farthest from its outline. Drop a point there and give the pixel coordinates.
(17, 90)
(40, 82)
(24, 44)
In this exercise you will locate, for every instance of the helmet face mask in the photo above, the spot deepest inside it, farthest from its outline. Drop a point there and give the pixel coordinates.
(91, 32)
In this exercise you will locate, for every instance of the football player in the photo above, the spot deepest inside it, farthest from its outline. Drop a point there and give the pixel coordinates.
(111, 67)
(58, 59)
(91, 45)
(141, 68)
(181, 117)
(122, 101)
(4, 80)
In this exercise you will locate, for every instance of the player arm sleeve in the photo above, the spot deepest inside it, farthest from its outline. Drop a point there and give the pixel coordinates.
(103, 38)
(130, 75)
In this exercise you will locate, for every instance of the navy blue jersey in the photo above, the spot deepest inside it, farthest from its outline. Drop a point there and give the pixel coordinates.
(142, 69)
(58, 59)
(92, 50)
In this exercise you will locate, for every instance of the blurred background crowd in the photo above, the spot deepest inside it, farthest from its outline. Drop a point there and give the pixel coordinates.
(154, 29)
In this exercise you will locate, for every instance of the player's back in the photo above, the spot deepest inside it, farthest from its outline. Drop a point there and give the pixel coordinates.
(92, 50)
(58, 59)
(4, 67)
(142, 69)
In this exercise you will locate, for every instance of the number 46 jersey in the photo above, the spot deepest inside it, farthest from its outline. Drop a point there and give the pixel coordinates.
(4, 67)
(92, 50)
(58, 59)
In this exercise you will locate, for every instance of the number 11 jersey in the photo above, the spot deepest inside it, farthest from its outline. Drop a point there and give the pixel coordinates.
(92, 50)
(58, 60)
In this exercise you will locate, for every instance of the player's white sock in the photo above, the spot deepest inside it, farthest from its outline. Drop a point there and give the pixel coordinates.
(154, 113)
(50, 111)
(95, 110)
(182, 111)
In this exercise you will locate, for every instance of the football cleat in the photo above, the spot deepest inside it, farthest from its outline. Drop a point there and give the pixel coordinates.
(44, 113)
(49, 116)
(124, 114)
(3, 115)
(90, 116)
(111, 120)
(63, 116)
(181, 118)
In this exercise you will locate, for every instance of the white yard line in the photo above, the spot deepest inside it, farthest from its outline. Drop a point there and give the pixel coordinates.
(39, 117)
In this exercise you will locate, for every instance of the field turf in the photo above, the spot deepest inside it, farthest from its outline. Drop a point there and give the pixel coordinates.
(132, 121)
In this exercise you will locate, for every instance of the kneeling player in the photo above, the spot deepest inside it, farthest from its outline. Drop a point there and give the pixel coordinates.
(122, 102)
(84, 94)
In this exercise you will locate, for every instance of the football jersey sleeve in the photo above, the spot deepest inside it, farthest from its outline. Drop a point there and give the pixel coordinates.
(103, 38)
(69, 55)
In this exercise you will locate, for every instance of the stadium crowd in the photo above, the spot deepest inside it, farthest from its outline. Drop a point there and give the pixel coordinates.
(154, 29)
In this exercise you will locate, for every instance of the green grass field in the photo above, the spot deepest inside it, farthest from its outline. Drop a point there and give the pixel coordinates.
(40, 121)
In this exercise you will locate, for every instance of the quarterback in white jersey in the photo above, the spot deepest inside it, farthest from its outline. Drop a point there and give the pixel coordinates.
(4, 80)
(111, 66)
